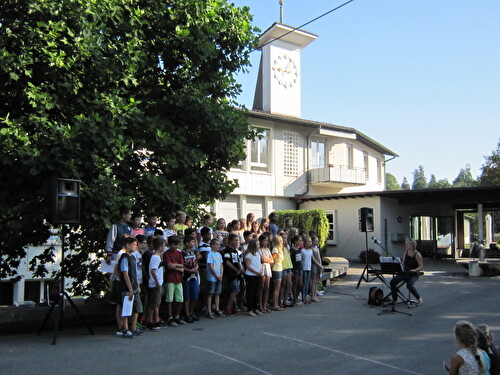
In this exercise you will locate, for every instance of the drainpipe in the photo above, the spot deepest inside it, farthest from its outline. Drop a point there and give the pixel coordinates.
(307, 164)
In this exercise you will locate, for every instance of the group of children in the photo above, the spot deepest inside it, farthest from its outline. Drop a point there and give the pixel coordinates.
(256, 271)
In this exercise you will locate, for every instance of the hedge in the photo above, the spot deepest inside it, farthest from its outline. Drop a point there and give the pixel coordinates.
(315, 220)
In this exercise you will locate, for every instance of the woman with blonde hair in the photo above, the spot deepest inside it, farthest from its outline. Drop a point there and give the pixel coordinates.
(469, 360)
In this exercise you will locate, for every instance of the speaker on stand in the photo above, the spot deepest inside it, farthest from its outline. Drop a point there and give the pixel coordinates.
(64, 209)
(365, 216)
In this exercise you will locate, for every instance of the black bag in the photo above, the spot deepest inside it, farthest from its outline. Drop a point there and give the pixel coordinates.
(375, 296)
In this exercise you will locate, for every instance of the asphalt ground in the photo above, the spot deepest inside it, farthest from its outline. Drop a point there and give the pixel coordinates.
(341, 335)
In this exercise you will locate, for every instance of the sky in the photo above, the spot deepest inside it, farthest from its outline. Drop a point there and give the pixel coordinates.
(420, 77)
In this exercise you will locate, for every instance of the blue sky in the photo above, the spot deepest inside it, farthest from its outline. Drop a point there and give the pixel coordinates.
(420, 77)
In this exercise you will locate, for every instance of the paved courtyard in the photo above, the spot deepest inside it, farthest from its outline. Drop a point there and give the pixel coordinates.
(341, 335)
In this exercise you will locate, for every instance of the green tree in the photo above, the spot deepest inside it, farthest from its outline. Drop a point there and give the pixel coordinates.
(435, 184)
(136, 99)
(464, 178)
(391, 183)
(405, 185)
(419, 179)
(490, 170)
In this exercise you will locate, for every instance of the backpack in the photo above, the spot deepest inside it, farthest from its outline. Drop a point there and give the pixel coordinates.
(375, 296)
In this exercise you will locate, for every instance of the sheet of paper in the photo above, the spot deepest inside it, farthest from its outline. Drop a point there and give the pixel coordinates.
(127, 306)
(108, 268)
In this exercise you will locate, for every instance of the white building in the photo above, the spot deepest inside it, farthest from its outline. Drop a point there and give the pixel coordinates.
(296, 157)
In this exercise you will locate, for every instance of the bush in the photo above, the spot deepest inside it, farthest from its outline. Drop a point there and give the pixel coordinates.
(315, 220)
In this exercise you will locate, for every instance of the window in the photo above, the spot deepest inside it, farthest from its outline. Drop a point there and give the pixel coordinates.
(365, 164)
(291, 153)
(379, 171)
(260, 152)
(350, 157)
(332, 235)
(318, 154)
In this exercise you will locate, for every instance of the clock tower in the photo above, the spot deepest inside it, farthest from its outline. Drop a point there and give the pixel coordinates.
(278, 83)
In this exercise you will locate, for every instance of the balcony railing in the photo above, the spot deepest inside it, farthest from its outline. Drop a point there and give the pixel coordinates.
(337, 174)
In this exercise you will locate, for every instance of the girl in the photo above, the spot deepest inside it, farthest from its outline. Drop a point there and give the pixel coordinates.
(220, 230)
(256, 228)
(267, 261)
(316, 270)
(286, 283)
(249, 222)
(307, 256)
(264, 225)
(277, 270)
(253, 272)
(297, 280)
(469, 360)
(485, 343)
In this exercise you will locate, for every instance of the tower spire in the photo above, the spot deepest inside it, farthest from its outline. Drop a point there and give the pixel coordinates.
(282, 10)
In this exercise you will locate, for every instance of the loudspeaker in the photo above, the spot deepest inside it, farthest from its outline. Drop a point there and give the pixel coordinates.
(65, 201)
(366, 219)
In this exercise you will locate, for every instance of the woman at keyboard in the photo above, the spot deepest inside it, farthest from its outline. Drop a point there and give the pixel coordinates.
(412, 265)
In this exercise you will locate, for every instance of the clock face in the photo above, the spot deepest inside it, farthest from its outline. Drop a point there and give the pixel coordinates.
(285, 71)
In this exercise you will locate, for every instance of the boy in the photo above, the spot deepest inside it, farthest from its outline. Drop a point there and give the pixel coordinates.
(232, 270)
(214, 277)
(207, 223)
(190, 283)
(130, 287)
(179, 225)
(155, 271)
(150, 227)
(169, 230)
(174, 262)
(204, 249)
(118, 231)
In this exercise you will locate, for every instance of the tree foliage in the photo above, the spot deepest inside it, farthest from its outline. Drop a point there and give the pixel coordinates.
(391, 183)
(405, 184)
(134, 98)
(464, 178)
(419, 179)
(438, 184)
(490, 170)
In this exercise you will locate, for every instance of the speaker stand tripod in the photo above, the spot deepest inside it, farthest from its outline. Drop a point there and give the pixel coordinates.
(59, 321)
(365, 275)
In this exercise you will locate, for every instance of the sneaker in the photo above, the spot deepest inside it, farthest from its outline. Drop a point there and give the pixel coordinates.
(257, 312)
(235, 310)
(171, 322)
(219, 313)
(189, 319)
(152, 326)
(128, 334)
(195, 317)
(210, 315)
(228, 311)
(140, 326)
(119, 332)
(251, 313)
(159, 324)
(180, 321)
(137, 332)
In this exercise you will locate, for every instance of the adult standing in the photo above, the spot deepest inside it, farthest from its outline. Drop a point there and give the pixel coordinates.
(118, 231)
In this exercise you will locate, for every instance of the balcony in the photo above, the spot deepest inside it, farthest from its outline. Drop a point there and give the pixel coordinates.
(337, 175)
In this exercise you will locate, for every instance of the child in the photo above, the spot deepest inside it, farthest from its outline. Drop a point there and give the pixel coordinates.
(267, 261)
(296, 256)
(286, 282)
(220, 231)
(204, 250)
(179, 226)
(155, 282)
(174, 262)
(150, 227)
(307, 260)
(169, 230)
(316, 270)
(190, 283)
(253, 272)
(208, 220)
(232, 270)
(277, 270)
(118, 231)
(136, 224)
(214, 278)
(141, 247)
(130, 287)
